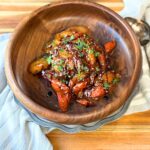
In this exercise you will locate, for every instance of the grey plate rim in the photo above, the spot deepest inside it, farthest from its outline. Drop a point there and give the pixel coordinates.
(66, 128)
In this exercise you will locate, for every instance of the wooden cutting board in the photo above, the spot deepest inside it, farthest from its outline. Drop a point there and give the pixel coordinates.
(131, 132)
(13, 11)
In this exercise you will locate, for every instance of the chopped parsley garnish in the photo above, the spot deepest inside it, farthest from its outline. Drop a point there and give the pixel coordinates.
(86, 36)
(60, 68)
(80, 44)
(61, 61)
(91, 51)
(106, 85)
(53, 64)
(49, 59)
(61, 50)
(66, 40)
(48, 76)
(97, 54)
(80, 77)
(97, 69)
(97, 40)
(81, 54)
(53, 44)
(86, 68)
(116, 80)
(63, 80)
(79, 70)
(72, 37)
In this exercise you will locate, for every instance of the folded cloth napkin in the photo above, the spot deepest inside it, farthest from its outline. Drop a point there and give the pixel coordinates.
(19, 132)
(140, 9)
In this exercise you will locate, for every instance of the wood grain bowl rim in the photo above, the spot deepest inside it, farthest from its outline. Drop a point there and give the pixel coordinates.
(62, 117)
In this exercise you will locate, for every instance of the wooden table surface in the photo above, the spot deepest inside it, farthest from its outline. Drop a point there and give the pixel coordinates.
(131, 132)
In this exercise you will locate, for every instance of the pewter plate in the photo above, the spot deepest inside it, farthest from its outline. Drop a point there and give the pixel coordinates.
(77, 128)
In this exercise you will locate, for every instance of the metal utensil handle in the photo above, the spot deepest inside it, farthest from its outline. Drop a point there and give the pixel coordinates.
(141, 29)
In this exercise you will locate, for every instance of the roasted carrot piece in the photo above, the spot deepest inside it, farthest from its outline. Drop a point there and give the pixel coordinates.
(63, 93)
(85, 102)
(109, 46)
(102, 60)
(58, 86)
(38, 65)
(80, 86)
(108, 76)
(73, 81)
(76, 79)
(97, 92)
(63, 100)
(91, 59)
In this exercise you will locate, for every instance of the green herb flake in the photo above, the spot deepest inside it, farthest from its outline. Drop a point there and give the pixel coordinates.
(63, 80)
(79, 70)
(53, 44)
(86, 69)
(48, 76)
(97, 54)
(80, 44)
(91, 51)
(116, 80)
(60, 68)
(97, 40)
(86, 36)
(72, 37)
(80, 77)
(61, 61)
(106, 85)
(81, 54)
(61, 50)
(97, 69)
(66, 40)
(49, 59)
(53, 64)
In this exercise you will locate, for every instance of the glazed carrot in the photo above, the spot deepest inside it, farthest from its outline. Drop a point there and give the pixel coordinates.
(58, 86)
(102, 60)
(97, 92)
(38, 65)
(109, 46)
(108, 76)
(63, 100)
(63, 94)
(91, 59)
(85, 102)
(80, 86)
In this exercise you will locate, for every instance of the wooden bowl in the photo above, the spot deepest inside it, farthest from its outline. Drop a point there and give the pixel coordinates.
(27, 42)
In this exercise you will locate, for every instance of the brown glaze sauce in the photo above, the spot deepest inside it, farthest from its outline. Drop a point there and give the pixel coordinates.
(77, 67)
